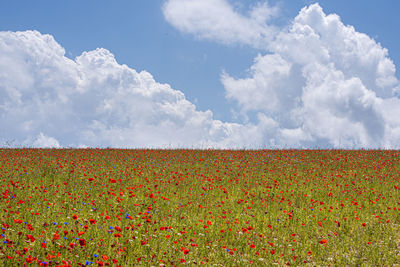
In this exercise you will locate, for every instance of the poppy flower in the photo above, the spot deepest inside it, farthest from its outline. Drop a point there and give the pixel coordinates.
(29, 259)
(82, 242)
(30, 237)
(56, 236)
(81, 233)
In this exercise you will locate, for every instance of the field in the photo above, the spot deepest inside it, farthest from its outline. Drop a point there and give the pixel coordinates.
(70, 207)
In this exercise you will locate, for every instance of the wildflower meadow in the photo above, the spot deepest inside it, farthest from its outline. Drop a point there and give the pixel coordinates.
(120, 207)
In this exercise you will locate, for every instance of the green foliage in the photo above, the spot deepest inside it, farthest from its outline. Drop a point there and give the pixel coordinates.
(170, 207)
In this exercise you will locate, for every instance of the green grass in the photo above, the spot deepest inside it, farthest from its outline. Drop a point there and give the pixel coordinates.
(212, 207)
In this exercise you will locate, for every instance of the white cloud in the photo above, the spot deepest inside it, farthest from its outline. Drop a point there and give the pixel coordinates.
(317, 37)
(321, 84)
(44, 141)
(218, 20)
(271, 86)
(95, 101)
(324, 84)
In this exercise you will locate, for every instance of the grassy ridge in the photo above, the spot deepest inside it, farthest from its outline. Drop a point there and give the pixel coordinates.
(170, 207)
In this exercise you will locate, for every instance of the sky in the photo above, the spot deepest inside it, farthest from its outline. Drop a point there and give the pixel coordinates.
(200, 74)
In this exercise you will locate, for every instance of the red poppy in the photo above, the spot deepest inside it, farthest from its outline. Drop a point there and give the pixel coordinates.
(82, 242)
(56, 236)
(30, 237)
(29, 259)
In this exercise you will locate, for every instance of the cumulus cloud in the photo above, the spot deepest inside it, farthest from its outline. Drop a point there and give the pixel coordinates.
(95, 101)
(324, 83)
(218, 20)
(320, 84)
(44, 141)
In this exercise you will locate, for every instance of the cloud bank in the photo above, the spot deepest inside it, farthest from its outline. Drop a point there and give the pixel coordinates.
(319, 83)
(49, 100)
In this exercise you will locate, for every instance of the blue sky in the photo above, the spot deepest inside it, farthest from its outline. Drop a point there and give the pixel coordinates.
(139, 34)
